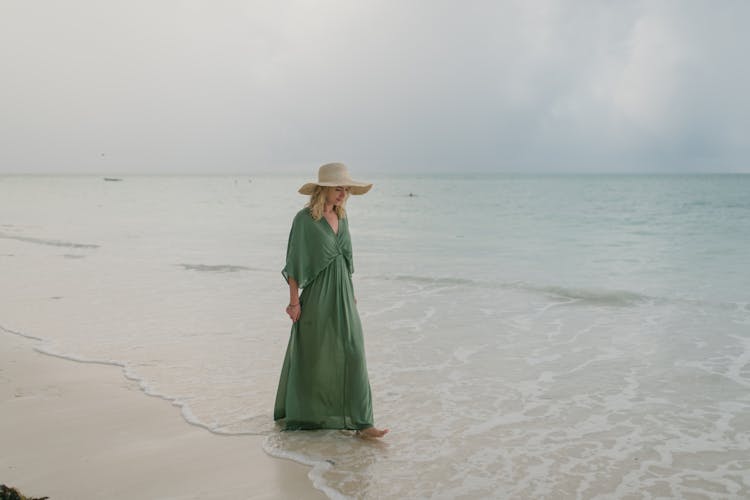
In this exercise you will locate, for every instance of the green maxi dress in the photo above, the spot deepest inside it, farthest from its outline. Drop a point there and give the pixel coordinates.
(324, 382)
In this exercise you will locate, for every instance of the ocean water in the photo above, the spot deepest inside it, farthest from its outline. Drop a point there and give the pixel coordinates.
(527, 336)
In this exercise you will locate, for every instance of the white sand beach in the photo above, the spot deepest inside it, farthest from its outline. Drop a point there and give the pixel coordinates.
(83, 431)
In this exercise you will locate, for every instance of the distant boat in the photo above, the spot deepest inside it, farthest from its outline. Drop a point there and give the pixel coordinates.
(112, 179)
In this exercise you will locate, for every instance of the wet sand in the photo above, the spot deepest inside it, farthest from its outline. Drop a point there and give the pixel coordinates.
(83, 431)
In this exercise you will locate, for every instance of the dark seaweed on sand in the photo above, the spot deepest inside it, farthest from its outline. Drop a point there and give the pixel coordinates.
(8, 493)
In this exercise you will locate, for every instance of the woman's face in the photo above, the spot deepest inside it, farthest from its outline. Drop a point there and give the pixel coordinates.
(336, 195)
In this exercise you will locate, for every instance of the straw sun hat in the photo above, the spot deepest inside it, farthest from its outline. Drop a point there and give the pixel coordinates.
(335, 174)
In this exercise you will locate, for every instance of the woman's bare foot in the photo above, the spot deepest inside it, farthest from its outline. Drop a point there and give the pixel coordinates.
(372, 433)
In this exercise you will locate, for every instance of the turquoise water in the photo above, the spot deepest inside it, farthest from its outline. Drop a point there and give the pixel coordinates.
(527, 336)
(677, 236)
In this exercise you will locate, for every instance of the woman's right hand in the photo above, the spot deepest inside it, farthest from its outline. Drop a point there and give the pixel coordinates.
(294, 311)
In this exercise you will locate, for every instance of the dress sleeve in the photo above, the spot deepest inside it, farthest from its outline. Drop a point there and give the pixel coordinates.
(297, 256)
(303, 251)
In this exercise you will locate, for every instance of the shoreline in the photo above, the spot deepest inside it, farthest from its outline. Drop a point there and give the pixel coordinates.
(73, 430)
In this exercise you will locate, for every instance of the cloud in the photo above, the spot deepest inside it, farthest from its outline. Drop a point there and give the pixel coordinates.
(427, 86)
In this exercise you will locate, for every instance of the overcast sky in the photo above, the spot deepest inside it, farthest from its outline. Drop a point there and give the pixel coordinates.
(162, 86)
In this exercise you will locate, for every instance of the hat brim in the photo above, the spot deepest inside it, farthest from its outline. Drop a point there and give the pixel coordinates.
(354, 187)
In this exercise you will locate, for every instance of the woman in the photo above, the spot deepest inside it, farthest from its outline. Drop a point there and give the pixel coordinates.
(324, 382)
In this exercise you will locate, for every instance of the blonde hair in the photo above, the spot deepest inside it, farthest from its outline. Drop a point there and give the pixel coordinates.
(318, 201)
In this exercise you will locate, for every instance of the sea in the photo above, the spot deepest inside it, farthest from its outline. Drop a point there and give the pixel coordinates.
(527, 336)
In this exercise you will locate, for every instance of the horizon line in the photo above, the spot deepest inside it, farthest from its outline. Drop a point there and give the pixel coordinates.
(364, 172)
